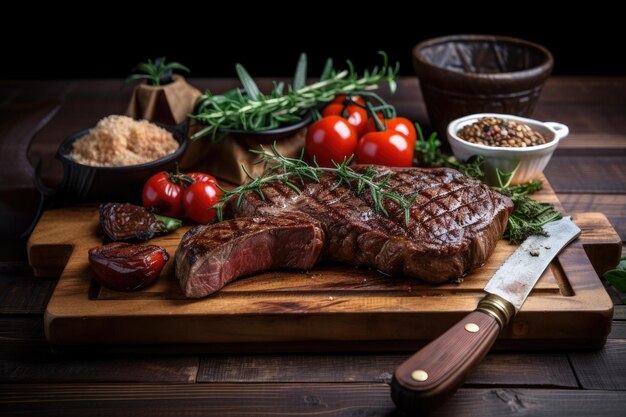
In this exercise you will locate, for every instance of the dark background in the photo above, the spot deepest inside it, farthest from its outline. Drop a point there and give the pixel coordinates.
(109, 40)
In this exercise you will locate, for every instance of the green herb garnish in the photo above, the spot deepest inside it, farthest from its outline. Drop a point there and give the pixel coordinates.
(529, 216)
(617, 278)
(251, 110)
(156, 73)
(294, 172)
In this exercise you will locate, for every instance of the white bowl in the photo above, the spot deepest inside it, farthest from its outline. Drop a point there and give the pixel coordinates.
(532, 159)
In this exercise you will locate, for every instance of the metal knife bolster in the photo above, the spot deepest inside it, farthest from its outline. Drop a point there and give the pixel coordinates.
(511, 284)
(497, 307)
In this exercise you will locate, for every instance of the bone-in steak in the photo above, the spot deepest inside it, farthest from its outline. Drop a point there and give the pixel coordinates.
(454, 225)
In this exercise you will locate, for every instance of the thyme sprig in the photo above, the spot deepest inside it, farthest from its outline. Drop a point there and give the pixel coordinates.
(296, 172)
(251, 110)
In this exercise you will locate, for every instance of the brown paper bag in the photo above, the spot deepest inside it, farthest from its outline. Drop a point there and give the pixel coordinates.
(169, 104)
(223, 159)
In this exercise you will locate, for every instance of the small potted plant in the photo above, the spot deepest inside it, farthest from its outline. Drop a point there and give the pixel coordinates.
(163, 96)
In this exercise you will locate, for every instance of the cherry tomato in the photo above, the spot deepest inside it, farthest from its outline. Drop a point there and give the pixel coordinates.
(404, 126)
(201, 177)
(164, 195)
(356, 116)
(388, 148)
(341, 97)
(198, 199)
(370, 126)
(329, 139)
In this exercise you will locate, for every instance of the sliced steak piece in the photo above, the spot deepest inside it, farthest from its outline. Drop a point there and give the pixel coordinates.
(211, 256)
(454, 223)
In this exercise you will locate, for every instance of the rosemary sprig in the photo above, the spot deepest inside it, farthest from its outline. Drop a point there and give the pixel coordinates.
(155, 73)
(254, 111)
(295, 172)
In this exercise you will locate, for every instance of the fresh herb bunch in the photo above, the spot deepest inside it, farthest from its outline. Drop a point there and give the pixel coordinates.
(428, 153)
(528, 217)
(617, 278)
(253, 111)
(294, 172)
(156, 73)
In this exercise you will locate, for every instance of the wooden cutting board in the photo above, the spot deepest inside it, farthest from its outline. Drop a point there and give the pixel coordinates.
(332, 307)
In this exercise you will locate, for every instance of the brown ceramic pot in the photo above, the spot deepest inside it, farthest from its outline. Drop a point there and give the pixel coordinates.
(466, 74)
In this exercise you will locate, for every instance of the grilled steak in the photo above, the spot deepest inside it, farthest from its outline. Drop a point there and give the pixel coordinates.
(209, 257)
(454, 224)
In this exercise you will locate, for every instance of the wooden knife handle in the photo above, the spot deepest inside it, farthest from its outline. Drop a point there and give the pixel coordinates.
(428, 378)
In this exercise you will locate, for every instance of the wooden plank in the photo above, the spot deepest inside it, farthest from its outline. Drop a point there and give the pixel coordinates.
(295, 307)
(605, 369)
(22, 293)
(289, 399)
(611, 205)
(620, 312)
(585, 174)
(593, 143)
(539, 370)
(618, 331)
(25, 357)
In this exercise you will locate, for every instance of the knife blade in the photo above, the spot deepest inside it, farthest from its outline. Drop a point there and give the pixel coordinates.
(433, 374)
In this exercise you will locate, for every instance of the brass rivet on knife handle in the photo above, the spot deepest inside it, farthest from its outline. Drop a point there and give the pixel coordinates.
(498, 307)
(420, 375)
(472, 327)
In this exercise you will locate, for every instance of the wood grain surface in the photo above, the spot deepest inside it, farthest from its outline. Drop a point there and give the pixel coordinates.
(331, 303)
(38, 383)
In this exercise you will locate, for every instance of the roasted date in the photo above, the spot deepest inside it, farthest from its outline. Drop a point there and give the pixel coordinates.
(126, 267)
(127, 221)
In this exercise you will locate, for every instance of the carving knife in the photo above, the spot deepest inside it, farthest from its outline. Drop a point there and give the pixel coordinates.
(433, 374)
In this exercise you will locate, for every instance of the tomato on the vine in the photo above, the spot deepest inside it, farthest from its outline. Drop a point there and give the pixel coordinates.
(370, 126)
(201, 177)
(329, 139)
(164, 194)
(198, 199)
(342, 97)
(388, 148)
(355, 115)
(404, 126)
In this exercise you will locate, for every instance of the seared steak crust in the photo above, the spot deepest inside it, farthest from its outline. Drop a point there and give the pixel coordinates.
(454, 223)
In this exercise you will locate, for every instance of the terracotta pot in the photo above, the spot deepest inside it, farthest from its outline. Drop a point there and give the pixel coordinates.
(169, 104)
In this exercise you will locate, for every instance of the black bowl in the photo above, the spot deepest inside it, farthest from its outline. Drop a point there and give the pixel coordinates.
(85, 183)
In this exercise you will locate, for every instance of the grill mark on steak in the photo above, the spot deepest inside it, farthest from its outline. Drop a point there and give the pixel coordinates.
(455, 223)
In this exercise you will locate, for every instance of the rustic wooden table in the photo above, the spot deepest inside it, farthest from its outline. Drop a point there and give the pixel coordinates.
(588, 173)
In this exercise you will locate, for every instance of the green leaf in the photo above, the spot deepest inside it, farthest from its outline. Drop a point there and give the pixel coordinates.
(328, 70)
(617, 278)
(135, 77)
(622, 264)
(248, 83)
(393, 86)
(176, 65)
(299, 79)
